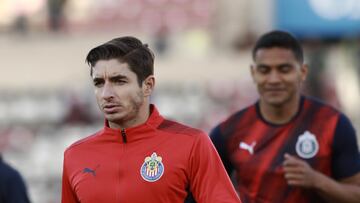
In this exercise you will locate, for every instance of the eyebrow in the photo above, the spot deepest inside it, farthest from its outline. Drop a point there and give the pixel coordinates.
(284, 64)
(278, 66)
(95, 79)
(261, 66)
(112, 78)
(117, 77)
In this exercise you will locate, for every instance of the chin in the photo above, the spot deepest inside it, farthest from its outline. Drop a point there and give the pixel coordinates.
(274, 101)
(113, 117)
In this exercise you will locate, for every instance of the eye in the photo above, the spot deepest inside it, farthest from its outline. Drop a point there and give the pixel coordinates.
(263, 69)
(120, 81)
(98, 83)
(285, 68)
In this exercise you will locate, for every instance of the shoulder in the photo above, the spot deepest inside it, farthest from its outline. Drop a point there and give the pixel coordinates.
(173, 127)
(345, 131)
(8, 172)
(236, 120)
(187, 137)
(344, 122)
(237, 116)
(82, 142)
(315, 103)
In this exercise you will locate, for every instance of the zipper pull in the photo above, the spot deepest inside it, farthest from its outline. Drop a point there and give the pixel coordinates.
(123, 135)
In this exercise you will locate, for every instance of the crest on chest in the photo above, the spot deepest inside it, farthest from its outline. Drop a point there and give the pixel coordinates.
(152, 169)
(307, 145)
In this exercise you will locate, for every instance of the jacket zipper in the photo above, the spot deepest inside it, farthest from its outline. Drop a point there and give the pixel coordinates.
(123, 135)
(121, 171)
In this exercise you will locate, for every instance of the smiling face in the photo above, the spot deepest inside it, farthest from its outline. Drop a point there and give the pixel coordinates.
(118, 94)
(278, 76)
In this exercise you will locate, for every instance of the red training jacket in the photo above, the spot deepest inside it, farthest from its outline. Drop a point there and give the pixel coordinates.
(160, 161)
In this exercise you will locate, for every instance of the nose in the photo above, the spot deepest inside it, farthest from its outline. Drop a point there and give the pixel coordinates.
(274, 77)
(107, 91)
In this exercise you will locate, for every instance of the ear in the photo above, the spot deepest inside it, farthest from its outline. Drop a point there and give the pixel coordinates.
(252, 71)
(304, 72)
(148, 85)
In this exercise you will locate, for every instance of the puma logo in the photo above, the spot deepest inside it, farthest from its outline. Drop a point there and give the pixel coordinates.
(247, 147)
(92, 171)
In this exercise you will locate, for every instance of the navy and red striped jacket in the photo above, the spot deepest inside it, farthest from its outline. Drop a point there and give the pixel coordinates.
(255, 148)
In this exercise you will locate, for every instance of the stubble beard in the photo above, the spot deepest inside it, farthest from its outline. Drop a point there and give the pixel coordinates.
(133, 111)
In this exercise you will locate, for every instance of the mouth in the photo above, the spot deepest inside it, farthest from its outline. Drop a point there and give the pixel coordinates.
(274, 91)
(110, 108)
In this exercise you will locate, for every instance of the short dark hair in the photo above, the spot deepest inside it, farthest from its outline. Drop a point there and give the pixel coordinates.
(128, 50)
(279, 39)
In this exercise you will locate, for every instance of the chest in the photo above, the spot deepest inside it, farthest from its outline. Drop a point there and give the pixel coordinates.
(262, 147)
(132, 172)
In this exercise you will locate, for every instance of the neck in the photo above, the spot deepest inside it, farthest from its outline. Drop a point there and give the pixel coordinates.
(279, 114)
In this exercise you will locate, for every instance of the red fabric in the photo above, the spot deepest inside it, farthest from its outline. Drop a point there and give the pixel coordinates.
(102, 168)
(260, 175)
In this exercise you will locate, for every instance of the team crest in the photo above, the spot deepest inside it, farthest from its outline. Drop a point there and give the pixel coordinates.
(152, 168)
(307, 145)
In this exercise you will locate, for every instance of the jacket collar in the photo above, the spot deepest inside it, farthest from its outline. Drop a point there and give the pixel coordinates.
(137, 132)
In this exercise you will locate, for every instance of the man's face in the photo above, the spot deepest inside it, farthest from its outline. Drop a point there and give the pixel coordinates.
(117, 91)
(278, 75)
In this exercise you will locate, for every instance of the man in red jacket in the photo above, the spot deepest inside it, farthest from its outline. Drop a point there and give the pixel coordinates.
(139, 156)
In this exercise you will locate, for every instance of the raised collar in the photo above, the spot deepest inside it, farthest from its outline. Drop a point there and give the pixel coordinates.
(137, 132)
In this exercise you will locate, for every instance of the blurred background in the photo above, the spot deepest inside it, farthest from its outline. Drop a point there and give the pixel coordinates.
(203, 53)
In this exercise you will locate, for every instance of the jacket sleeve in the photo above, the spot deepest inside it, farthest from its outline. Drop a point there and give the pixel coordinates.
(346, 157)
(67, 194)
(209, 182)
